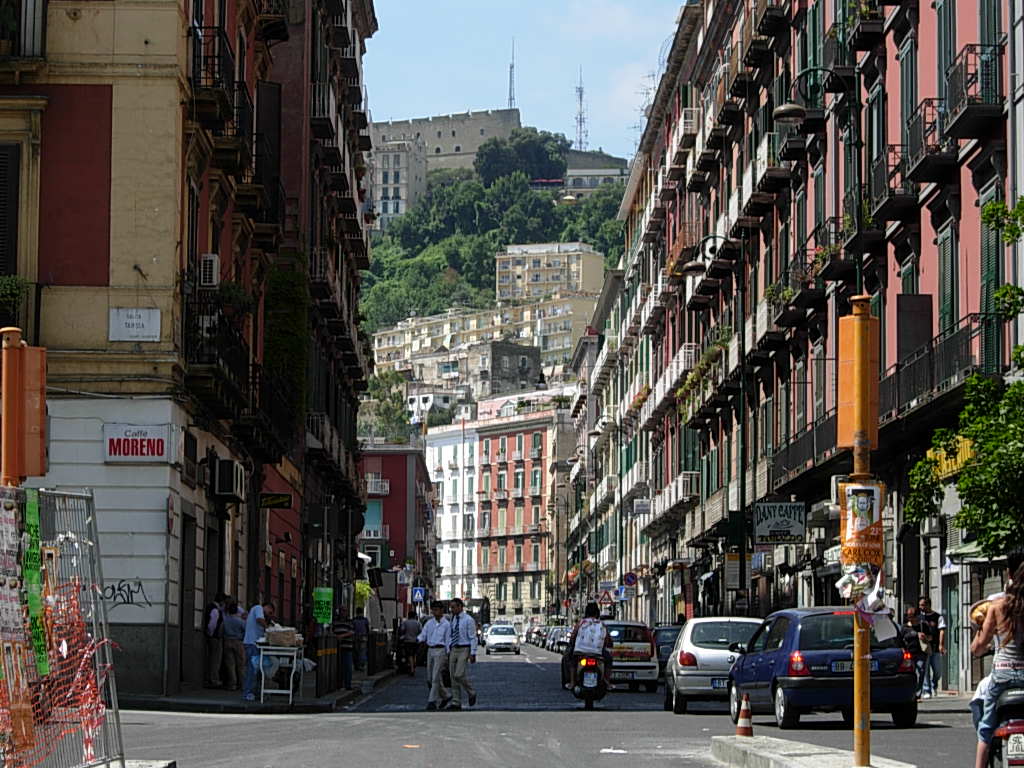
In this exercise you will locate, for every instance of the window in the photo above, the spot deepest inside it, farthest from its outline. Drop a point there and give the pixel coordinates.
(395, 192)
(383, 206)
(947, 277)
(504, 363)
(481, 131)
(485, 554)
(458, 148)
(908, 84)
(519, 442)
(536, 439)
(501, 481)
(535, 589)
(486, 449)
(470, 482)
(519, 478)
(383, 177)
(503, 446)
(535, 554)
(397, 177)
(777, 635)
(516, 589)
(453, 134)
(487, 483)
(519, 554)
(455, 560)
(876, 123)
(945, 13)
(439, 134)
(908, 276)
(820, 380)
(386, 160)
(535, 478)
(501, 555)
(991, 277)
(800, 382)
(437, 150)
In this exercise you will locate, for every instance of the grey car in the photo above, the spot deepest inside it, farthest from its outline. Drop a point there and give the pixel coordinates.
(698, 667)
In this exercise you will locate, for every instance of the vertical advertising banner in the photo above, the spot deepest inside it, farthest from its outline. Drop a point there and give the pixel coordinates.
(860, 523)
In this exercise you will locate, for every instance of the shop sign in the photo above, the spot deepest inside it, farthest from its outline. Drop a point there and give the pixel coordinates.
(641, 507)
(134, 324)
(323, 604)
(782, 523)
(135, 444)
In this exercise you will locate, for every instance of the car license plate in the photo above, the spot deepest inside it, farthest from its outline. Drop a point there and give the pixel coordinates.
(1015, 746)
(590, 679)
(719, 682)
(847, 666)
(623, 675)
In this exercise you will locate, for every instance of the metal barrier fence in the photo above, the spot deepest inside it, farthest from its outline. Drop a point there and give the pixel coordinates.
(58, 702)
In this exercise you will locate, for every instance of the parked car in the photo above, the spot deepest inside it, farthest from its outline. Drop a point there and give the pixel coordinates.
(634, 658)
(800, 660)
(700, 659)
(502, 638)
(664, 640)
(542, 635)
(482, 634)
(558, 639)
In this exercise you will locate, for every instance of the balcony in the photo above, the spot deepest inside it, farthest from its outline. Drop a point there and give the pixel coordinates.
(771, 17)
(268, 423)
(867, 26)
(739, 81)
(790, 146)
(518, 493)
(804, 281)
(233, 145)
(536, 453)
(837, 58)
(216, 357)
(323, 444)
(272, 21)
(757, 52)
(502, 458)
(670, 505)
(893, 195)
(501, 495)
(698, 181)
(378, 487)
(322, 110)
(812, 446)
(212, 77)
(536, 490)
(689, 125)
(870, 233)
(810, 94)
(769, 337)
(826, 243)
(324, 285)
(931, 157)
(974, 92)
(727, 109)
(382, 533)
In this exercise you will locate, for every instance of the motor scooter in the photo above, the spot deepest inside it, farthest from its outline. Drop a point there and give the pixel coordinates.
(590, 685)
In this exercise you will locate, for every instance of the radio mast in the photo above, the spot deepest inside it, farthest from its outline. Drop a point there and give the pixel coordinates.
(581, 116)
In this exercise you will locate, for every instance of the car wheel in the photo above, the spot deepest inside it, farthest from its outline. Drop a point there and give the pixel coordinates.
(734, 703)
(785, 715)
(651, 687)
(906, 716)
(634, 687)
(668, 704)
(678, 703)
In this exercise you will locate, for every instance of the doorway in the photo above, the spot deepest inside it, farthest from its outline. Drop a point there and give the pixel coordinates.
(951, 604)
(187, 580)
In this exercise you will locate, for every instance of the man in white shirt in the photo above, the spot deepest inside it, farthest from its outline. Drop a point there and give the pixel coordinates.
(463, 653)
(437, 634)
(255, 627)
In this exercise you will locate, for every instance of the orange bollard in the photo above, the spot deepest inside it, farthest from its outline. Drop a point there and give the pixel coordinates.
(743, 725)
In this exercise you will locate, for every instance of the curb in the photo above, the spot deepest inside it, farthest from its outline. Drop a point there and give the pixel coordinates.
(329, 703)
(150, 764)
(768, 752)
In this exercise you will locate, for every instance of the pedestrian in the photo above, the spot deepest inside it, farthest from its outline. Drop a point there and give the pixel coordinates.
(213, 628)
(935, 629)
(234, 648)
(915, 641)
(1004, 623)
(344, 632)
(436, 635)
(361, 626)
(255, 628)
(408, 633)
(463, 653)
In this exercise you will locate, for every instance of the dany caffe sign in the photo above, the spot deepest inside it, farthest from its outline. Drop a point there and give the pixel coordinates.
(135, 444)
(781, 523)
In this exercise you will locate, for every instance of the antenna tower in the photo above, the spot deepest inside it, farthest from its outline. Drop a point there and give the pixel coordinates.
(581, 116)
(512, 78)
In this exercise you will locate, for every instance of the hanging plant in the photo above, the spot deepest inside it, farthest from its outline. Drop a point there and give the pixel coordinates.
(13, 292)
(363, 593)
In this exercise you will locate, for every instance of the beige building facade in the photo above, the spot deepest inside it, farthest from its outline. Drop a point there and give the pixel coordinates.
(451, 140)
(400, 177)
(532, 271)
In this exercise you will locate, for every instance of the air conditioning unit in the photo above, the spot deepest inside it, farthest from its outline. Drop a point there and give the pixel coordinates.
(209, 270)
(229, 480)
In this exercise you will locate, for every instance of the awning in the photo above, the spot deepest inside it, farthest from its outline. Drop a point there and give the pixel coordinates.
(968, 552)
(706, 576)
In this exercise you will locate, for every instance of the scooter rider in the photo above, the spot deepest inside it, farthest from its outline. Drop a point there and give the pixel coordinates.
(589, 638)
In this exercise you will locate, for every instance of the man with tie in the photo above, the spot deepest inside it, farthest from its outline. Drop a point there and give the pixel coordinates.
(463, 653)
(437, 636)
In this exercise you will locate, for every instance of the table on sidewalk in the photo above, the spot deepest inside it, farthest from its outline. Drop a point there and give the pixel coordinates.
(287, 656)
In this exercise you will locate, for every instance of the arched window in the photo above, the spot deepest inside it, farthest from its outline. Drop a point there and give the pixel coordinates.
(437, 150)
(458, 148)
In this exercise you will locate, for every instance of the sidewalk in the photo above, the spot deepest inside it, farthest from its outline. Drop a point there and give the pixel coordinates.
(946, 703)
(230, 702)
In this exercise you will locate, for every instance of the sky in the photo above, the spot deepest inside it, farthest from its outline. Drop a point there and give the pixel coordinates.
(435, 57)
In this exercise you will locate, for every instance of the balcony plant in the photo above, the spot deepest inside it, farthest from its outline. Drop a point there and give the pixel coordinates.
(13, 292)
(778, 295)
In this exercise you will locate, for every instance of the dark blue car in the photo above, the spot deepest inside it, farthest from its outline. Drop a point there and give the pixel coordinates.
(800, 660)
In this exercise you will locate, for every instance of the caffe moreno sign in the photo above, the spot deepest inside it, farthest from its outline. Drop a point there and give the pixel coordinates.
(779, 523)
(135, 444)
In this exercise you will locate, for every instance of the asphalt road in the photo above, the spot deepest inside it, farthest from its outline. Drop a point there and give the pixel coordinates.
(522, 719)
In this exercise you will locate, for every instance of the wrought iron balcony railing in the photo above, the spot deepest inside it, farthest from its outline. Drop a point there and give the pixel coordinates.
(975, 92)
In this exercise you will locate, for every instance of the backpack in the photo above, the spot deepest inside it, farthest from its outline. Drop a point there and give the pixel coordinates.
(590, 637)
(207, 612)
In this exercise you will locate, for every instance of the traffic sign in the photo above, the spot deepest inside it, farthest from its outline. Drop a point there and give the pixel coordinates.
(606, 586)
(419, 594)
(629, 579)
(606, 598)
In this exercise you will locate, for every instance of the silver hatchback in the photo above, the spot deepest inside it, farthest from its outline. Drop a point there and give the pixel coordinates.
(699, 665)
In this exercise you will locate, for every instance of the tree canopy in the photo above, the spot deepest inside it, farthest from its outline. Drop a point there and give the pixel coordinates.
(385, 415)
(538, 154)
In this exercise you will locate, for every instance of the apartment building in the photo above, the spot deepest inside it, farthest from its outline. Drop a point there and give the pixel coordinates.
(587, 171)
(398, 533)
(530, 272)
(452, 453)
(400, 175)
(418, 344)
(746, 237)
(147, 238)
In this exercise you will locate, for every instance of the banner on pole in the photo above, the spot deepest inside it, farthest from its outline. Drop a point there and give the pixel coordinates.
(860, 523)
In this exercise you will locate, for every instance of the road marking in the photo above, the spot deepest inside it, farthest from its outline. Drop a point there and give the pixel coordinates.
(410, 746)
(611, 751)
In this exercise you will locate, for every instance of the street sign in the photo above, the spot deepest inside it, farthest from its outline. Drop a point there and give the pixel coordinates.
(606, 598)
(629, 579)
(628, 593)
(606, 586)
(781, 523)
(419, 594)
(323, 604)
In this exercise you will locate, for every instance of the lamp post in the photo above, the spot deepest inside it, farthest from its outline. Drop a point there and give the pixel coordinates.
(862, 335)
(697, 267)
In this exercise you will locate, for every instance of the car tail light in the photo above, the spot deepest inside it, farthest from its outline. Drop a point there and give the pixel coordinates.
(588, 662)
(687, 659)
(797, 666)
(907, 663)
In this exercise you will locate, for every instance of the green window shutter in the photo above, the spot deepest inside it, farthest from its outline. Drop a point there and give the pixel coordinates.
(908, 277)
(991, 277)
(947, 279)
(908, 84)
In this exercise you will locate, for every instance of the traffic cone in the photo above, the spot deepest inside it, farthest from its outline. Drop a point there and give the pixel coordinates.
(743, 724)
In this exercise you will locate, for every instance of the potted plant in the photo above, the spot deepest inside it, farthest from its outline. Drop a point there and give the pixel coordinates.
(8, 26)
(13, 292)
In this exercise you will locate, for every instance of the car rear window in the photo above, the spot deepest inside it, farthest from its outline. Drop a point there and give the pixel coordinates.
(833, 631)
(721, 634)
(502, 631)
(625, 633)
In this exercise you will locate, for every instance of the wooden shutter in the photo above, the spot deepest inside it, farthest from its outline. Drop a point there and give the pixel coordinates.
(10, 156)
(991, 276)
(947, 278)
